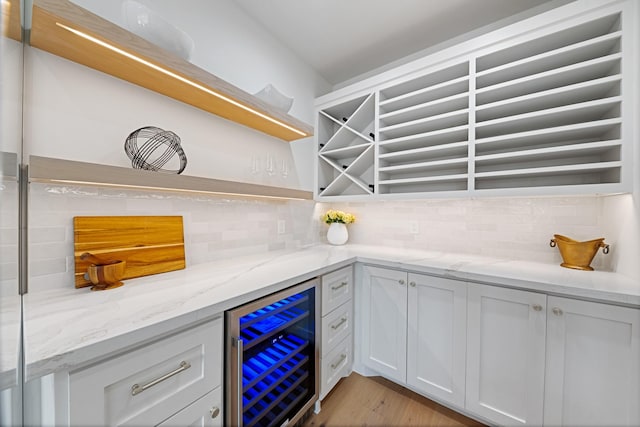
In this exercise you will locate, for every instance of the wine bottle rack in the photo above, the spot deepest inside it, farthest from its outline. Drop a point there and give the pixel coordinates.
(346, 148)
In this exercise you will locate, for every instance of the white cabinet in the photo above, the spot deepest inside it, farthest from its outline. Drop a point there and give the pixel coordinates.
(436, 341)
(204, 412)
(335, 365)
(336, 356)
(337, 288)
(543, 106)
(505, 354)
(148, 385)
(384, 322)
(424, 133)
(509, 356)
(345, 139)
(592, 374)
(10, 407)
(414, 331)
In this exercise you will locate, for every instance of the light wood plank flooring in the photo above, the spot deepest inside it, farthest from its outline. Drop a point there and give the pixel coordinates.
(375, 401)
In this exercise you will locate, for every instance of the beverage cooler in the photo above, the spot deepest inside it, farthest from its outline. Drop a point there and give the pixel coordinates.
(272, 358)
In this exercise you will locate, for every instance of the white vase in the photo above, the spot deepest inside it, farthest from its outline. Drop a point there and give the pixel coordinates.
(337, 234)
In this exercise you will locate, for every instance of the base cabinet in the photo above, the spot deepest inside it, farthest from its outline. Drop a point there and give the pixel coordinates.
(414, 330)
(592, 373)
(149, 385)
(436, 337)
(505, 354)
(204, 412)
(384, 322)
(336, 353)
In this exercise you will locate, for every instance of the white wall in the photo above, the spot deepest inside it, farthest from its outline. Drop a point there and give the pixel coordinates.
(233, 46)
(76, 113)
(507, 228)
(215, 228)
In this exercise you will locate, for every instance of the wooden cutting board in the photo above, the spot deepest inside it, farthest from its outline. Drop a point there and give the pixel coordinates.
(149, 244)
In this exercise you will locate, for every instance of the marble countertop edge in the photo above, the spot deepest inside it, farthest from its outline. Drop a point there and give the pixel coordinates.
(150, 307)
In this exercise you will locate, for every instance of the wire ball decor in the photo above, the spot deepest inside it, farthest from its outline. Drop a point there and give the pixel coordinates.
(150, 148)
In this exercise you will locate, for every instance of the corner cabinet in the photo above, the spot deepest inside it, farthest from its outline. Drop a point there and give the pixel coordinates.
(384, 322)
(545, 106)
(414, 331)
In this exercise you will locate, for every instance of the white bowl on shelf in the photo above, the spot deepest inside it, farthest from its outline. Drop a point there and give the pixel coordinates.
(273, 96)
(149, 25)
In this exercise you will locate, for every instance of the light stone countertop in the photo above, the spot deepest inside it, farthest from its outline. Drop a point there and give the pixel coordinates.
(67, 328)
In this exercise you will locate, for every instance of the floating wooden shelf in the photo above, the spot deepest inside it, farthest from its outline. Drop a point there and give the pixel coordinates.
(69, 172)
(14, 25)
(102, 45)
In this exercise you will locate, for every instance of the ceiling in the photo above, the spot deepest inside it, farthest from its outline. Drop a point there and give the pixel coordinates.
(342, 39)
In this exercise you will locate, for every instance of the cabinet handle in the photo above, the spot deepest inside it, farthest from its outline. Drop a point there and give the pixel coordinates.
(556, 311)
(335, 365)
(215, 411)
(337, 325)
(401, 281)
(341, 285)
(137, 388)
(239, 359)
(412, 284)
(537, 307)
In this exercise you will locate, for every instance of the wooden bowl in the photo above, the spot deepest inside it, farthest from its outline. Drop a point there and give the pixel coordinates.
(106, 276)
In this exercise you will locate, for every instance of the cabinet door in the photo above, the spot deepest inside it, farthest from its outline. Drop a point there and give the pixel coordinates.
(384, 321)
(436, 342)
(204, 412)
(505, 354)
(592, 376)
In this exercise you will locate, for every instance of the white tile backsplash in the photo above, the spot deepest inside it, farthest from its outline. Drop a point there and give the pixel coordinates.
(512, 228)
(215, 228)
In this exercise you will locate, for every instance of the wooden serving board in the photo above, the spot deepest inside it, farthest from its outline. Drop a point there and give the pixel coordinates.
(149, 244)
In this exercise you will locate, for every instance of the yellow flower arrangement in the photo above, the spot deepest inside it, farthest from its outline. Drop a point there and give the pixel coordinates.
(333, 215)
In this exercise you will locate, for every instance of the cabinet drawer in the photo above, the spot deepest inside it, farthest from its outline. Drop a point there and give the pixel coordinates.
(336, 326)
(206, 411)
(335, 365)
(147, 385)
(337, 288)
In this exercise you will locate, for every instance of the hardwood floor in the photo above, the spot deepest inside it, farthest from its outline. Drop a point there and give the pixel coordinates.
(375, 401)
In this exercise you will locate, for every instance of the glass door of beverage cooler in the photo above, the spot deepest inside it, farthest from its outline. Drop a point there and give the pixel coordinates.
(272, 358)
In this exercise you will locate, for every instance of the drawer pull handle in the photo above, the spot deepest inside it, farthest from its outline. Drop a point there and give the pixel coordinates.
(335, 365)
(337, 325)
(557, 311)
(137, 389)
(537, 307)
(341, 285)
(215, 411)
